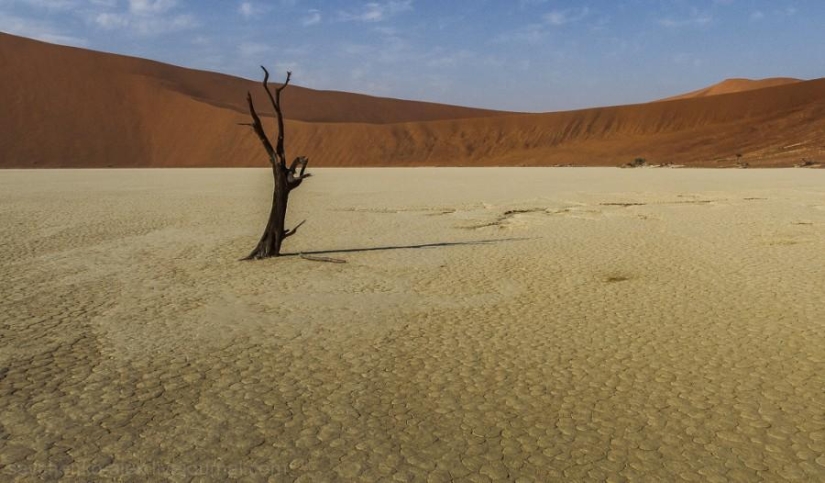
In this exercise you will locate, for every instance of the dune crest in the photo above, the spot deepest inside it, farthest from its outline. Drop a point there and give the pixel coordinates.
(732, 86)
(69, 107)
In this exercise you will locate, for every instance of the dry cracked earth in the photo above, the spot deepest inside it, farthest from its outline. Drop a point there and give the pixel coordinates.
(489, 325)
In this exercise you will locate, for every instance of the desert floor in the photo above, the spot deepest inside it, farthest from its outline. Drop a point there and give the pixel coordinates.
(489, 324)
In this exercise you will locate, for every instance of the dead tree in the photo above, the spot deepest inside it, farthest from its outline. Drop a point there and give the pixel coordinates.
(286, 179)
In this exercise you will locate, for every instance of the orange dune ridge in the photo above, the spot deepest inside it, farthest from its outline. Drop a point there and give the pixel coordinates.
(69, 107)
(732, 86)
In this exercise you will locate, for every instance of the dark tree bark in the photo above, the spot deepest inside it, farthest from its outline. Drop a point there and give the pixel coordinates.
(286, 178)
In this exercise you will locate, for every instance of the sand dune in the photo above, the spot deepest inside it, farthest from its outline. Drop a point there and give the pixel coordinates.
(48, 70)
(67, 107)
(732, 86)
(552, 325)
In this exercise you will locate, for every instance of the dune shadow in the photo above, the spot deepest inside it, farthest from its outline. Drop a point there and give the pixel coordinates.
(405, 247)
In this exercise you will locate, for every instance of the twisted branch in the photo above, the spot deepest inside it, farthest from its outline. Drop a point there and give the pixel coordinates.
(276, 104)
(293, 180)
(259, 129)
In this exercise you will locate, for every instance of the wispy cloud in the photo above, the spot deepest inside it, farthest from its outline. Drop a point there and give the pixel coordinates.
(246, 9)
(53, 5)
(377, 11)
(251, 9)
(440, 58)
(686, 59)
(537, 32)
(251, 50)
(533, 33)
(530, 3)
(695, 19)
(38, 29)
(151, 7)
(773, 15)
(147, 17)
(562, 17)
(313, 17)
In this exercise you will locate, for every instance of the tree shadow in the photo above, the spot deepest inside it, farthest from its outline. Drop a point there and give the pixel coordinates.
(405, 247)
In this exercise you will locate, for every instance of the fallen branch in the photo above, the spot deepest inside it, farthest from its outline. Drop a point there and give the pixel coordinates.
(316, 258)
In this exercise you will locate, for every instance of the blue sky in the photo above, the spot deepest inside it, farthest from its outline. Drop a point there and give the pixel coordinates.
(524, 55)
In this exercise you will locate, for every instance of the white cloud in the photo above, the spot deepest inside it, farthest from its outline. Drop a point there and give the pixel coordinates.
(37, 29)
(112, 20)
(538, 32)
(562, 17)
(529, 3)
(51, 4)
(54, 6)
(201, 40)
(151, 7)
(357, 49)
(253, 49)
(144, 17)
(146, 25)
(694, 20)
(779, 14)
(250, 9)
(686, 59)
(529, 34)
(391, 49)
(313, 17)
(377, 11)
(439, 58)
(246, 9)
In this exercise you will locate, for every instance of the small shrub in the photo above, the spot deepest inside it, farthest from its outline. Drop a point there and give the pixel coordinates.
(637, 163)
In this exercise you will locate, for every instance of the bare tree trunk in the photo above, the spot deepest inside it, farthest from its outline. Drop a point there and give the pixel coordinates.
(285, 179)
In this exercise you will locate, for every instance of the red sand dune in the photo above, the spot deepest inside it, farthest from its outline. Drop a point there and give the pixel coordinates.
(67, 107)
(732, 86)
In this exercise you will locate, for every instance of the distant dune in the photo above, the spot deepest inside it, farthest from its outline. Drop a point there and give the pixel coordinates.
(68, 107)
(733, 86)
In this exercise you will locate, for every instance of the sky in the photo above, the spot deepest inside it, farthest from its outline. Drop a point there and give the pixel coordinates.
(517, 55)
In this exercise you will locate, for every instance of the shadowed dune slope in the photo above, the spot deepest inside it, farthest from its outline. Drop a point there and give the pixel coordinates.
(67, 107)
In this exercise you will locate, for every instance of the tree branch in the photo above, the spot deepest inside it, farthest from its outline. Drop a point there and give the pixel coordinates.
(286, 82)
(259, 129)
(276, 104)
(292, 180)
(268, 92)
(291, 232)
(321, 259)
(280, 146)
(296, 162)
